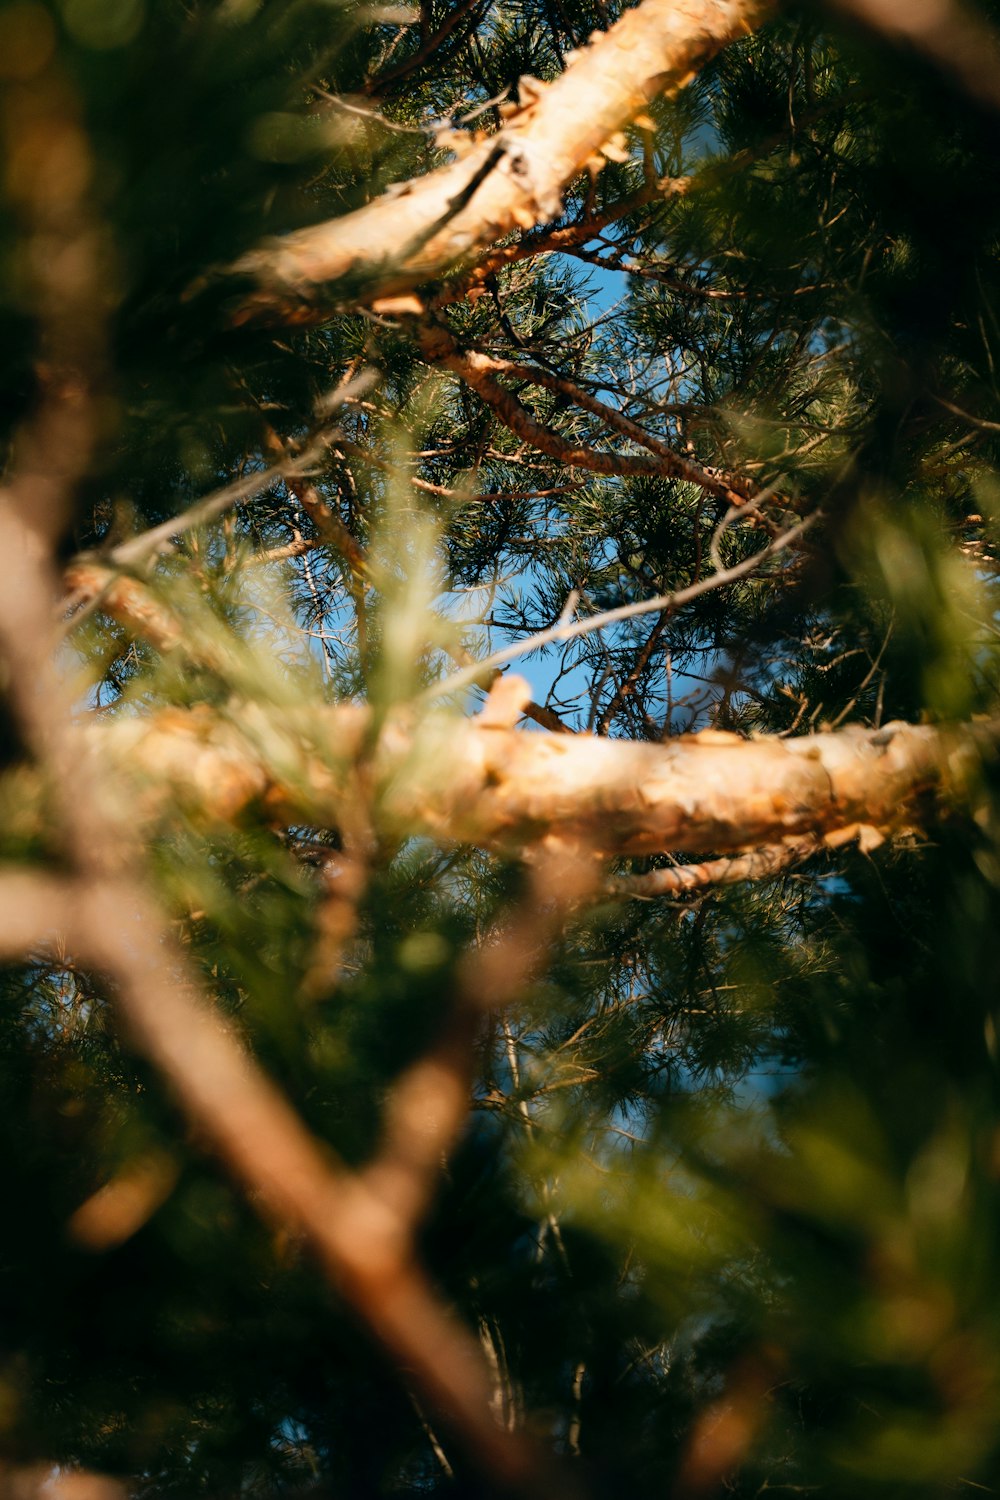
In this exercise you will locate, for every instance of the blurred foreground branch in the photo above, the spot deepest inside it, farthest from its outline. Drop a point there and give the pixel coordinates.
(952, 36)
(99, 908)
(469, 782)
(362, 1237)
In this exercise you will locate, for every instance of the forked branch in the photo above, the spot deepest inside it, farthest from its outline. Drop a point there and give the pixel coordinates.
(481, 371)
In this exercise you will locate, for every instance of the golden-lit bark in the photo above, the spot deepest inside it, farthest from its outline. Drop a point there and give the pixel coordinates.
(513, 179)
(466, 782)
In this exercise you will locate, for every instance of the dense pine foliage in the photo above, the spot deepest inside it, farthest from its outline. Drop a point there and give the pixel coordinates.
(725, 1214)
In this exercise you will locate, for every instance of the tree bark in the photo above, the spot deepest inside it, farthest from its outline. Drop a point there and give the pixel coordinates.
(462, 781)
(514, 179)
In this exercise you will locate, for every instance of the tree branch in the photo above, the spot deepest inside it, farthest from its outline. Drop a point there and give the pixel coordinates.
(678, 880)
(100, 908)
(654, 49)
(479, 370)
(568, 630)
(949, 34)
(464, 782)
(427, 47)
(159, 539)
(359, 1238)
(567, 237)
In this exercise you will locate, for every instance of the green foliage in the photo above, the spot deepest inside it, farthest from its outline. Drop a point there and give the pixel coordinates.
(744, 1140)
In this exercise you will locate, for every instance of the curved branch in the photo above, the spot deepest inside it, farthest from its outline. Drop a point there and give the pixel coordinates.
(569, 629)
(479, 371)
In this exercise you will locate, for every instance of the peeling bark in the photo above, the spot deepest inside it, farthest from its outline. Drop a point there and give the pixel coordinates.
(464, 782)
(514, 179)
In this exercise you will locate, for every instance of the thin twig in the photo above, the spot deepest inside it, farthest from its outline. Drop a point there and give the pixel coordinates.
(566, 631)
(160, 539)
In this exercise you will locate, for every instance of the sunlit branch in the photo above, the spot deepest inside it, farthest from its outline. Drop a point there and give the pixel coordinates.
(677, 880)
(458, 781)
(478, 370)
(560, 128)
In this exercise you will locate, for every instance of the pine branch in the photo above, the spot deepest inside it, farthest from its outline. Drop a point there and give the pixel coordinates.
(466, 782)
(480, 370)
(654, 49)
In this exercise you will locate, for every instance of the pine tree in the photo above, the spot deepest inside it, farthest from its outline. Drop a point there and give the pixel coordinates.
(499, 733)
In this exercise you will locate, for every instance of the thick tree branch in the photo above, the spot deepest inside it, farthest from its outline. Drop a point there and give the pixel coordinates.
(125, 599)
(465, 782)
(52, 1481)
(651, 50)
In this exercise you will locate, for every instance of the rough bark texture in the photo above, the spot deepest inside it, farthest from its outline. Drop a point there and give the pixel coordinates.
(462, 781)
(514, 179)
